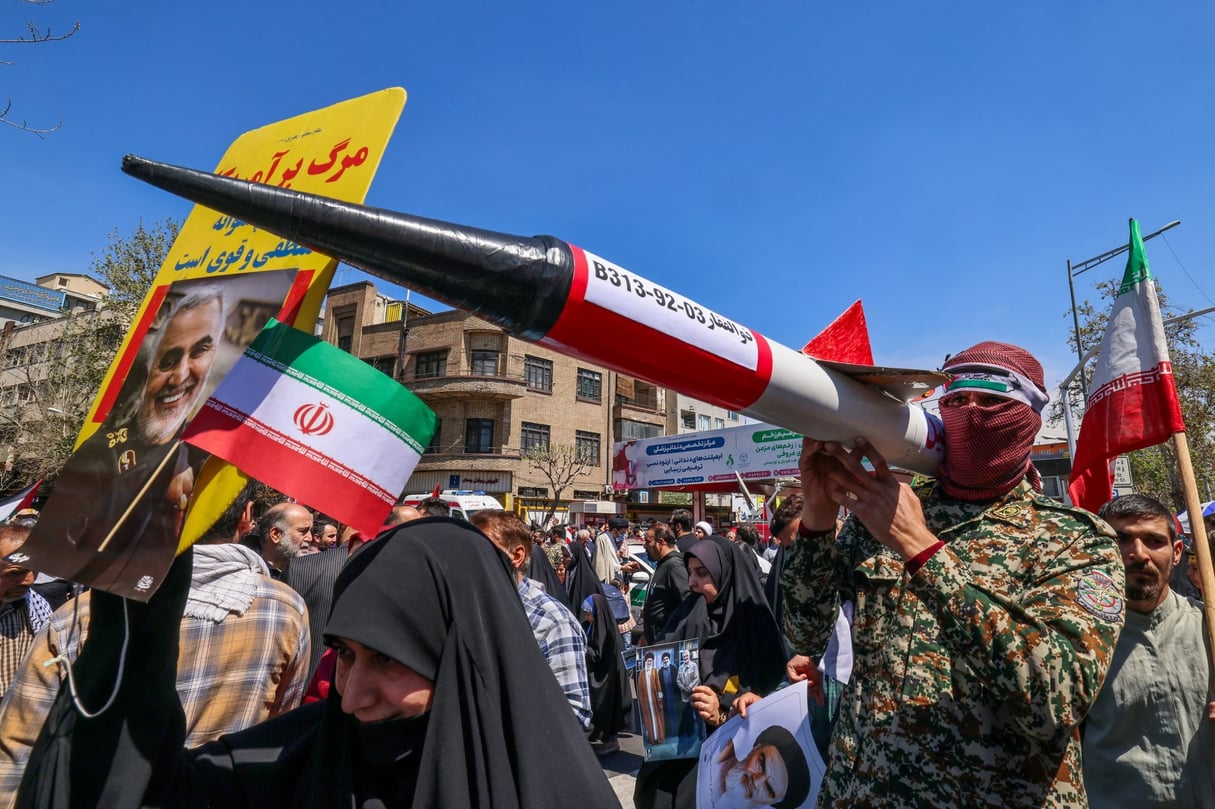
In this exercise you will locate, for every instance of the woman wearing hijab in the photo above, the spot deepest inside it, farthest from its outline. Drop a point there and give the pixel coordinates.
(740, 654)
(434, 703)
(580, 580)
(558, 557)
(541, 570)
(611, 698)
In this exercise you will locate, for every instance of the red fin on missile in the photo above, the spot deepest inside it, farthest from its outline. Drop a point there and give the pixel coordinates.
(845, 340)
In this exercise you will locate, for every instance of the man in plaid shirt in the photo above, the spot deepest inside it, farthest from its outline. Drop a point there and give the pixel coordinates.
(557, 632)
(243, 659)
(22, 611)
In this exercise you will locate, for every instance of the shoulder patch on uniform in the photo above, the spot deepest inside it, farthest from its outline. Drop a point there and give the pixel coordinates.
(1009, 512)
(1097, 593)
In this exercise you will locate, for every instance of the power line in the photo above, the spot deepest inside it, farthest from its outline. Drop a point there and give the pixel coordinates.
(1184, 270)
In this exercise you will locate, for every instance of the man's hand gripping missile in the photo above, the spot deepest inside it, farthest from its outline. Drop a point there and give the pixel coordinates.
(832, 476)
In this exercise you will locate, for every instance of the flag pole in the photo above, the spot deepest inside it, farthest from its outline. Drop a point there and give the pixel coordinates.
(1206, 573)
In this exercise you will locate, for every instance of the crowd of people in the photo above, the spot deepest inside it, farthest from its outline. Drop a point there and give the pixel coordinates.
(967, 641)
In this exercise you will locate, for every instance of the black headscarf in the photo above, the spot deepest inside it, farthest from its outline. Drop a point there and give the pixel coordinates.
(458, 621)
(541, 570)
(737, 633)
(611, 698)
(580, 580)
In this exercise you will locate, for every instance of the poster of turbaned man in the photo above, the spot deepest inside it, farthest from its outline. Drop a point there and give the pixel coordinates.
(767, 759)
(663, 678)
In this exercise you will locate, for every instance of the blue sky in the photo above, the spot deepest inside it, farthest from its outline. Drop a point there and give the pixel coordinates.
(774, 161)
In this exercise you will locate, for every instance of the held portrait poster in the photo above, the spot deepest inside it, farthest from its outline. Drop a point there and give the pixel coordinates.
(767, 759)
(116, 513)
(143, 489)
(663, 678)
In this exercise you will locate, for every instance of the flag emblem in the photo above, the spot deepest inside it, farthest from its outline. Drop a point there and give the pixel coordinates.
(314, 419)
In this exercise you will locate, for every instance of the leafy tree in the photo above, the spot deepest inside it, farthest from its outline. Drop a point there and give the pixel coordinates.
(1154, 470)
(51, 382)
(34, 35)
(561, 465)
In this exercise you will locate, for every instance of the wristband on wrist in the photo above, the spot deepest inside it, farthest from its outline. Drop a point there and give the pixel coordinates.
(806, 533)
(913, 565)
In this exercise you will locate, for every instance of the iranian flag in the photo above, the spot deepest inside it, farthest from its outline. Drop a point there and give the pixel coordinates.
(317, 424)
(1133, 402)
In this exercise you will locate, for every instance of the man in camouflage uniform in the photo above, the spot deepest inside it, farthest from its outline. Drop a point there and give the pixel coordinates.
(985, 614)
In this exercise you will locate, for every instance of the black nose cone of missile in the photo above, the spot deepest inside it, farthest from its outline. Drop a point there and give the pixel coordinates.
(519, 283)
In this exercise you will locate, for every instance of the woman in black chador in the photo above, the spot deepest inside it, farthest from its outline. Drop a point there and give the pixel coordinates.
(435, 703)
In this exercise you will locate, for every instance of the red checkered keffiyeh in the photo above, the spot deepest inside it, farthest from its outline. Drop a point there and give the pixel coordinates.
(987, 449)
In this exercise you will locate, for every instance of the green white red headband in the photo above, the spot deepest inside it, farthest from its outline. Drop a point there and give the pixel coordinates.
(994, 381)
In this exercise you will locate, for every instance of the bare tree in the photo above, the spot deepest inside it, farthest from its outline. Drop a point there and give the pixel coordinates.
(561, 465)
(34, 35)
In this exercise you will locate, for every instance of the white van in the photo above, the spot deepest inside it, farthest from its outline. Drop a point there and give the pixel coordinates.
(462, 502)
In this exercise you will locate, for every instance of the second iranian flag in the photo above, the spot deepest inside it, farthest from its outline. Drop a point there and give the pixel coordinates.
(316, 423)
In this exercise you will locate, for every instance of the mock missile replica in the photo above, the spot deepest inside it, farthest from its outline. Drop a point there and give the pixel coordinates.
(552, 293)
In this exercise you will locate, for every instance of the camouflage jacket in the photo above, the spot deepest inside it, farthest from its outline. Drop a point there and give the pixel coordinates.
(971, 677)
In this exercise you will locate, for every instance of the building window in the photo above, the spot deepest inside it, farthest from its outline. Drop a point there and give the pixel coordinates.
(590, 385)
(732, 415)
(583, 494)
(629, 430)
(430, 365)
(718, 423)
(533, 436)
(345, 333)
(484, 363)
(385, 364)
(702, 422)
(436, 440)
(587, 446)
(687, 419)
(539, 373)
(479, 436)
(532, 491)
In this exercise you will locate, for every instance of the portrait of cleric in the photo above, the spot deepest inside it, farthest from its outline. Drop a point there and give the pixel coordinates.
(116, 511)
(774, 772)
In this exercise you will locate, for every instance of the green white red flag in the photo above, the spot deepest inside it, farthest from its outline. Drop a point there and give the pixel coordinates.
(1132, 401)
(317, 424)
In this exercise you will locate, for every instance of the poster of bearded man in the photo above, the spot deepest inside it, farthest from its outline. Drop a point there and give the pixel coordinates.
(767, 759)
(117, 508)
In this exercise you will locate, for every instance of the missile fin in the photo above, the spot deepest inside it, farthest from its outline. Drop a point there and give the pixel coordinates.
(846, 339)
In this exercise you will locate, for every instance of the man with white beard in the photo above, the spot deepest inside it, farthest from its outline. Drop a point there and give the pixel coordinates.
(283, 530)
(774, 773)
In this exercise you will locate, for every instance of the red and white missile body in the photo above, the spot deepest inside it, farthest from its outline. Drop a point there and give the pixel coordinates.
(547, 291)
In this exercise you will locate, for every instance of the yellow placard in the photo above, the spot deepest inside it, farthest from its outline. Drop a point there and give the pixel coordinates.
(333, 151)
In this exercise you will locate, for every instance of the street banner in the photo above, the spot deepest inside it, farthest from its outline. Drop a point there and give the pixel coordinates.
(749, 452)
(115, 517)
(1132, 400)
(317, 424)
